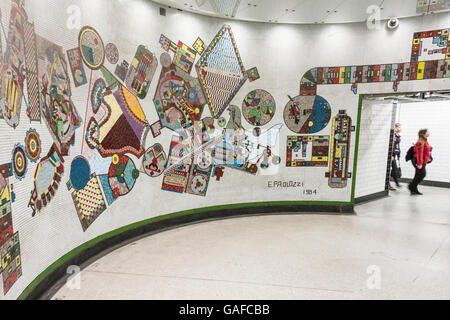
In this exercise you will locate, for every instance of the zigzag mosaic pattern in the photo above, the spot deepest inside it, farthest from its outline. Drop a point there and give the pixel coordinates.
(34, 108)
(89, 202)
(221, 71)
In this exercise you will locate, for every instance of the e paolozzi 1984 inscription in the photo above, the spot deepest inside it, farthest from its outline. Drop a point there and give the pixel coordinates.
(285, 184)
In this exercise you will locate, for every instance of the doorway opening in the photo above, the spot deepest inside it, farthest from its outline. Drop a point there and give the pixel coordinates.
(413, 111)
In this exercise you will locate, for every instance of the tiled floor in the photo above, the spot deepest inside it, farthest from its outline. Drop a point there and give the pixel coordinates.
(394, 248)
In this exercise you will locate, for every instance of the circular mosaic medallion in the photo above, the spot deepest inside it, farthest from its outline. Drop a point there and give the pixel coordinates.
(154, 160)
(258, 107)
(19, 161)
(165, 59)
(199, 184)
(91, 48)
(276, 160)
(115, 159)
(112, 53)
(122, 175)
(204, 160)
(222, 122)
(32, 145)
(307, 114)
(253, 168)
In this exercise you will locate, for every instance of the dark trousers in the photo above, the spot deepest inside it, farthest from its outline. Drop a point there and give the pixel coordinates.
(394, 171)
(418, 177)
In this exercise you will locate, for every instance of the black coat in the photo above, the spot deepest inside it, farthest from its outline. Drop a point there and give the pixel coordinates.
(396, 149)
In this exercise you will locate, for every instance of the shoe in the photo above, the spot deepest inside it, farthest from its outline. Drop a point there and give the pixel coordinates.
(398, 185)
(392, 188)
(411, 190)
(416, 192)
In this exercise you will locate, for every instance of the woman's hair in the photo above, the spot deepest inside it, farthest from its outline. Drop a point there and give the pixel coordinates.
(398, 125)
(422, 133)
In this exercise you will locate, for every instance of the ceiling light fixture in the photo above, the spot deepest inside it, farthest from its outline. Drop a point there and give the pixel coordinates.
(225, 7)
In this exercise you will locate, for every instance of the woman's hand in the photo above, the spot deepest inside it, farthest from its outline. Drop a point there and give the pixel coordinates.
(420, 167)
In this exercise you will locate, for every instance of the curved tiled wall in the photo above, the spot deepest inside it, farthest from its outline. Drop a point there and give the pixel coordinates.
(114, 116)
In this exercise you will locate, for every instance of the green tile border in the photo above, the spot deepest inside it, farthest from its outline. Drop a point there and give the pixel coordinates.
(112, 233)
(355, 162)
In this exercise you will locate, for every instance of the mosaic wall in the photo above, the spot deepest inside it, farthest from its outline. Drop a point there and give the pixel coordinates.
(94, 152)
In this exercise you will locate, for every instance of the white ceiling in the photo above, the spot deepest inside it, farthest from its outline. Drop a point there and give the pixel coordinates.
(297, 11)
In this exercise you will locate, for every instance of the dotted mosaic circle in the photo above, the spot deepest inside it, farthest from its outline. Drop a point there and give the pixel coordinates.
(91, 48)
(165, 59)
(122, 175)
(222, 122)
(199, 184)
(204, 160)
(80, 173)
(115, 159)
(112, 53)
(258, 107)
(276, 160)
(32, 145)
(19, 161)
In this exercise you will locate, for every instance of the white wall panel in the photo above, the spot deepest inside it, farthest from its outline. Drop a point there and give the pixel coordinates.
(376, 118)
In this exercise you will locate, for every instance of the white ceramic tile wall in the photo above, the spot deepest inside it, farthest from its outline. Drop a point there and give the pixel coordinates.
(374, 136)
(434, 116)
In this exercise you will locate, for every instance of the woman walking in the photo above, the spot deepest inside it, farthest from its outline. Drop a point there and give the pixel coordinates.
(422, 155)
